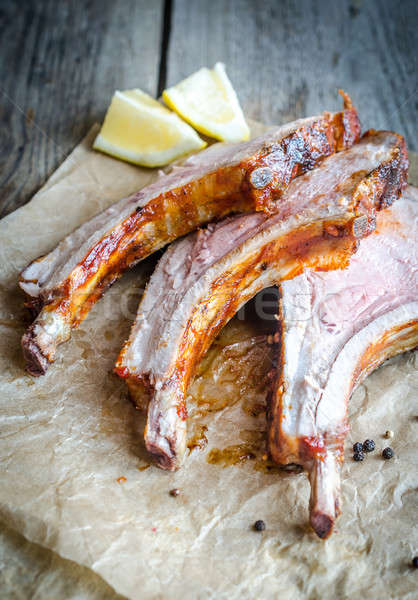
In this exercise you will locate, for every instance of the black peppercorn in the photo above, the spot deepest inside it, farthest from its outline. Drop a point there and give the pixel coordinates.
(415, 562)
(358, 447)
(388, 453)
(259, 525)
(369, 446)
(358, 456)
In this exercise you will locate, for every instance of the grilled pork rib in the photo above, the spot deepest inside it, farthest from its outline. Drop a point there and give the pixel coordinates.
(63, 285)
(203, 279)
(335, 328)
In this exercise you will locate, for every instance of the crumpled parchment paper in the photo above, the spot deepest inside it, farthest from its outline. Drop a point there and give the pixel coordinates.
(75, 476)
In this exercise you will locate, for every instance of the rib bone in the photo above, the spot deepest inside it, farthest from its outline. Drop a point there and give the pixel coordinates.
(202, 280)
(335, 328)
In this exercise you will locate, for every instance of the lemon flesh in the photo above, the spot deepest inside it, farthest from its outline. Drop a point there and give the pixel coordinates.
(208, 101)
(140, 130)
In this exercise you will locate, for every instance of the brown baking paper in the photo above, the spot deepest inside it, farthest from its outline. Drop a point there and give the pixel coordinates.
(75, 476)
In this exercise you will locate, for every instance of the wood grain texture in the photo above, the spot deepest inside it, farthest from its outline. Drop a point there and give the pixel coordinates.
(60, 64)
(286, 59)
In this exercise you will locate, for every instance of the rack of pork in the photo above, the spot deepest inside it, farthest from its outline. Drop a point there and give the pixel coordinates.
(301, 199)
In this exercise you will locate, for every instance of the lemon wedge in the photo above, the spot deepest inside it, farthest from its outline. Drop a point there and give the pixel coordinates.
(208, 101)
(140, 130)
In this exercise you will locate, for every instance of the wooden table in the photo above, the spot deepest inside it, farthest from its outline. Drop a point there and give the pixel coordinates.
(62, 60)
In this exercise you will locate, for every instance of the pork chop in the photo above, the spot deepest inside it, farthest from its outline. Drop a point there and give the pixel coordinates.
(63, 285)
(334, 329)
(203, 279)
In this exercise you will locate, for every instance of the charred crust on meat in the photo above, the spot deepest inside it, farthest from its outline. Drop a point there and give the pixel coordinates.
(173, 212)
(381, 187)
(360, 226)
(34, 306)
(165, 460)
(36, 363)
(391, 177)
(322, 525)
(395, 174)
(300, 152)
(261, 177)
(347, 124)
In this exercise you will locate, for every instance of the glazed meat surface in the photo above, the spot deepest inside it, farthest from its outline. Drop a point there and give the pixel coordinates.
(63, 285)
(334, 329)
(203, 279)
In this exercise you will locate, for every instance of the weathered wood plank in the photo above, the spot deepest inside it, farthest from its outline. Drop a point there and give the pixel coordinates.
(61, 62)
(286, 59)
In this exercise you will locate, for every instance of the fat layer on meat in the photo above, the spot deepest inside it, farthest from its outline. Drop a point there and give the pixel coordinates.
(203, 279)
(335, 328)
(63, 285)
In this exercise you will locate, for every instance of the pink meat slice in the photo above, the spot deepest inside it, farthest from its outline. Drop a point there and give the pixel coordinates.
(334, 329)
(63, 285)
(204, 278)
